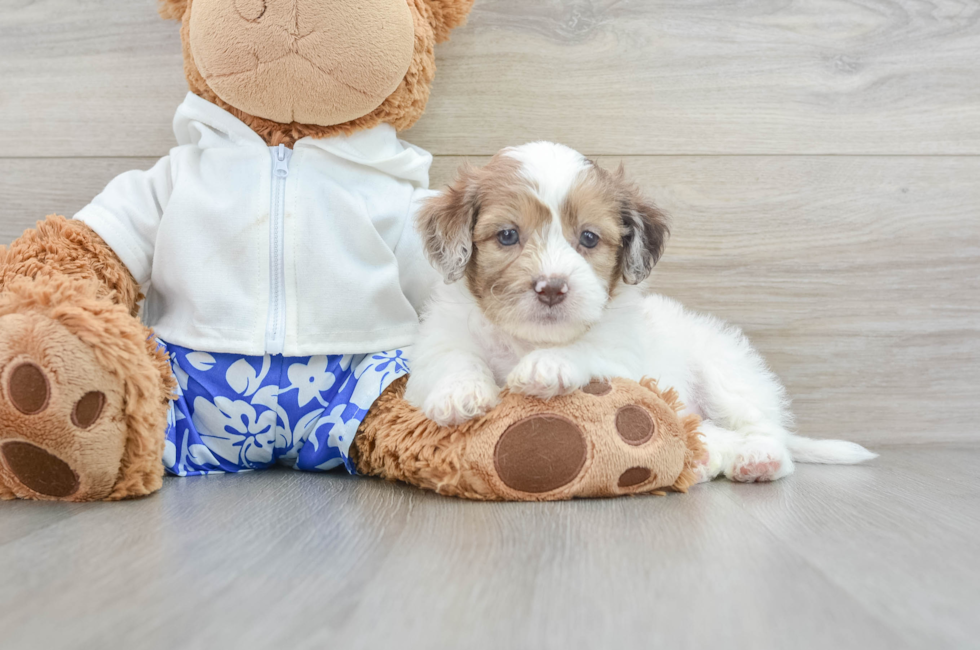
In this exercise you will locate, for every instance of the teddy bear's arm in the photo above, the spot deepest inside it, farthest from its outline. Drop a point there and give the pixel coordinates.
(58, 246)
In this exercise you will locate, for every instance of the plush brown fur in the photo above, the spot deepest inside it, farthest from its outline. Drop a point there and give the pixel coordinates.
(58, 246)
(397, 442)
(83, 340)
(447, 15)
(68, 304)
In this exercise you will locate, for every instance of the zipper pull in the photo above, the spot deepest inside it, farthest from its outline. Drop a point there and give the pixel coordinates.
(281, 168)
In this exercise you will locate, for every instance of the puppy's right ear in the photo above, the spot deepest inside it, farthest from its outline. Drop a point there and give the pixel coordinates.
(445, 222)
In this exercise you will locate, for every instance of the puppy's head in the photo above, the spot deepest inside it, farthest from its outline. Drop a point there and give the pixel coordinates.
(542, 236)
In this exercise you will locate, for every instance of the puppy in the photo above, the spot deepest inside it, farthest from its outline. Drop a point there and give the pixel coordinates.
(545, 255)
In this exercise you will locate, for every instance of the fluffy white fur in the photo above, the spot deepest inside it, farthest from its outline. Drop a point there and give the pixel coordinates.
(461, 359)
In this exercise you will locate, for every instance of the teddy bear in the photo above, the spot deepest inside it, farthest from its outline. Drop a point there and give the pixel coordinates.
(251, 299)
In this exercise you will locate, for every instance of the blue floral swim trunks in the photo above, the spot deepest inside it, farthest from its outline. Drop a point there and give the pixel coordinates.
(235, 413)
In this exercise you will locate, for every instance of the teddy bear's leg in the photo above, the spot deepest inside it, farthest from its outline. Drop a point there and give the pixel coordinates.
(82, 404)
(83, 390)
(395, 441)
(610, 439)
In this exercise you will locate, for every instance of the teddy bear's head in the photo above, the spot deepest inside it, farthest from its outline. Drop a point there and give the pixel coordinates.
(296, 68)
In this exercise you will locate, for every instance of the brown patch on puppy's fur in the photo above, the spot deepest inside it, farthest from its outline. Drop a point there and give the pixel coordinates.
(495, 271)
(447, 221)
(593, 205)
(613, 207)
(460, 226)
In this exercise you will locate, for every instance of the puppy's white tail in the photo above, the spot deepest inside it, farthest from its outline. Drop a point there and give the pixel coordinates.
(832, 452)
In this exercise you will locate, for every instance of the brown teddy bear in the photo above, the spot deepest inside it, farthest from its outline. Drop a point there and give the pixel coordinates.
(283, 281)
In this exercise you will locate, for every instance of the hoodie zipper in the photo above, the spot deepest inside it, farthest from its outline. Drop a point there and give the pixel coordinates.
(275, 329)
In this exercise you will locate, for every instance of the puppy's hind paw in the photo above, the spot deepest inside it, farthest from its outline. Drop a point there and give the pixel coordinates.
(759, 461)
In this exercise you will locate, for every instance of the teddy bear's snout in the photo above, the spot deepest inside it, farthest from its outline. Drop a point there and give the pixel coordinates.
(298, 60)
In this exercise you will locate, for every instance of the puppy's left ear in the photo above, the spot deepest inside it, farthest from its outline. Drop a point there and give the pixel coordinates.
(646, 232)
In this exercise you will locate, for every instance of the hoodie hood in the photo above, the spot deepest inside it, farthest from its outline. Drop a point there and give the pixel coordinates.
(206, 125)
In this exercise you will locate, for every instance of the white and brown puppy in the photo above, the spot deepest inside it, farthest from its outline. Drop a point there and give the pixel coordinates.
(543, 252)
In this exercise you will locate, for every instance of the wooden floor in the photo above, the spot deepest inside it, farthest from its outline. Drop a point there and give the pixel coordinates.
(821, 164)
(879, 556)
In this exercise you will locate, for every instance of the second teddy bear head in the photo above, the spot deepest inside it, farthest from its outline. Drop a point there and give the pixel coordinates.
(296, 68)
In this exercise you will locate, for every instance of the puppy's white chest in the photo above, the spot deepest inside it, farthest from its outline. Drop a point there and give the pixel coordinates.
(502, 353)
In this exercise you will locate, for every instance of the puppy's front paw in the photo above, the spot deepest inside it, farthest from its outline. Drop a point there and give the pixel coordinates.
(458, 399)
(545, 374)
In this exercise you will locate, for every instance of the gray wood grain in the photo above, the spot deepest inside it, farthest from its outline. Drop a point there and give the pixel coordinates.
(856, 276)
(606, 76)
(867, 541)
(848, 557)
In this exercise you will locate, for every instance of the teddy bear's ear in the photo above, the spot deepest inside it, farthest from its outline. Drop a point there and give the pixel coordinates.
(448, 15)
(172, 9)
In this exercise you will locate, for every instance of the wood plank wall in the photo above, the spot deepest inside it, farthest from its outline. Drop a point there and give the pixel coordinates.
(820, 161)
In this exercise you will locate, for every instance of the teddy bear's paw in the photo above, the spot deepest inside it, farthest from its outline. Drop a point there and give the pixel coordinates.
(459, 399)
(612, 438)
(760, 459)
(62, 430)
(546, 374)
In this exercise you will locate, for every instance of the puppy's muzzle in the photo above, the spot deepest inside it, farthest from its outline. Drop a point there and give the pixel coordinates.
(551, 291)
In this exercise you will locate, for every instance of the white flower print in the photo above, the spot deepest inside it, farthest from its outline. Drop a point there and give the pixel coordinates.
(201, 360)
(201, 456)
(332, 424)
(310, 379)
(335, 429)
(242, 378)
(234, 431)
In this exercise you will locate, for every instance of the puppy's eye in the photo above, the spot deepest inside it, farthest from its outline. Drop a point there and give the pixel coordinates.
(589, 239)
(508, 237)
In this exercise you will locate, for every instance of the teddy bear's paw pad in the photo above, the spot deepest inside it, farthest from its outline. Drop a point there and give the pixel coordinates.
(634, 425)
(28, 389)
(87, 409)
(39, 470)
(540, 453)
(597, 387)
(62, 414)
(635, 476)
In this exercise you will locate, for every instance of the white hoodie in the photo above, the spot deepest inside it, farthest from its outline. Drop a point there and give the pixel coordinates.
(248, 249)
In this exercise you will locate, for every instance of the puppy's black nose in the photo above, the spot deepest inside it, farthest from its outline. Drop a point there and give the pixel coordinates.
(551, 291)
